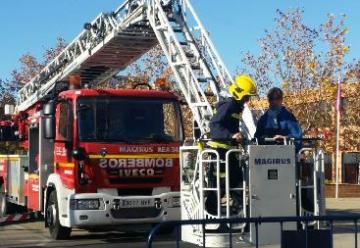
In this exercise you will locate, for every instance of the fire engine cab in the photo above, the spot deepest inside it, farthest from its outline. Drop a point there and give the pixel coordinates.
(97, 157)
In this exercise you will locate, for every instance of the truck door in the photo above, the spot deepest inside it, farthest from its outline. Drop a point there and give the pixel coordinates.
(46, 161)
(33, 170)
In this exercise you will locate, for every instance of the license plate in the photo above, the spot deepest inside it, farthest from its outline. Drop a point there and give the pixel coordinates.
(137, 203)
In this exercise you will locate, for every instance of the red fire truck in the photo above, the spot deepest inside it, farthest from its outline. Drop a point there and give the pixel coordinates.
(96, 157)
(106, 157)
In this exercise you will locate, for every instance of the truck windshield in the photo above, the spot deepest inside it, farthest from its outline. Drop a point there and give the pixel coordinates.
(128, 120)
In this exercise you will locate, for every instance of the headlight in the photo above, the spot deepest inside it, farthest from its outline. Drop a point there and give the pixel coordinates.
(87, 204)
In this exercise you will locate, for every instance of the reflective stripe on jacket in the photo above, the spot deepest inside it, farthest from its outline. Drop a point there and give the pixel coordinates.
(217, 145)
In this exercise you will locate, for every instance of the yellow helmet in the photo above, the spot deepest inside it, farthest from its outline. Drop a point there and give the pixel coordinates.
(244, 86)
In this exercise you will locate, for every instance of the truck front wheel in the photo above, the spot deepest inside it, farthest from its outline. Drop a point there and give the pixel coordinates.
(57, 231)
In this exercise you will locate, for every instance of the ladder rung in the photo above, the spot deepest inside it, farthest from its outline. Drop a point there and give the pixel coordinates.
(307, 187)
(195, 67)
(190, 55)
(161, 28)
(179, 63)
(172, 19)
(208, 161)
(202, 104)
(177, 30)
(236, 189)
(202, 80)
(210, 189)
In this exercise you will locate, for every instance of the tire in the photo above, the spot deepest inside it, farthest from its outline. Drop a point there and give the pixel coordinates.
(56, 230)
(4, 205)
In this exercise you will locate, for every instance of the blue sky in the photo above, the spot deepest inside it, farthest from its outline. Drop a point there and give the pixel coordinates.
(234, 25)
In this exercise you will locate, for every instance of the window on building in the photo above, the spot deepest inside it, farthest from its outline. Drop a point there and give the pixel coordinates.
(351, 168)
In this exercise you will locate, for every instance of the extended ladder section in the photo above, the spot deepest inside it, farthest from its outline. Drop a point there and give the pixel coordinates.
(197, 66)
(108, 44)
(114, 40)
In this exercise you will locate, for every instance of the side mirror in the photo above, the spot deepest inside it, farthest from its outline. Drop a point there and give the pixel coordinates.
(49, 127)
(79, 154)
(49, 120)
(49, 108)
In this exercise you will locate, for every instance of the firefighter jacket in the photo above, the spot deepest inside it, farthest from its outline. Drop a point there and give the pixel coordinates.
(225, 123)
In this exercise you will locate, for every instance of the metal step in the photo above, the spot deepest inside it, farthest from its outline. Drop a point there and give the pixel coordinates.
(177, 30)
(195, 67)
(199, 104)
(203, 80)
(189, 55)
(172, 19)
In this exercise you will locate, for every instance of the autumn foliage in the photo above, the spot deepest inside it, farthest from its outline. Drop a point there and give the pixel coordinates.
(30, 66)
(317, 115)
(308, 62)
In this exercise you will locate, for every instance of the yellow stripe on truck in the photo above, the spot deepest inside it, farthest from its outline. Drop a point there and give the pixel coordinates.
(158, 155)
(33, 176)
(9, 158)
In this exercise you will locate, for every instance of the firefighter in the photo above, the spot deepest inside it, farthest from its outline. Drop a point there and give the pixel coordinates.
(225, 134)
(278, 122)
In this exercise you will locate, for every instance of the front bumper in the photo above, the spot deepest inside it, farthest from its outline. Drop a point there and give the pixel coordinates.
(112, 211)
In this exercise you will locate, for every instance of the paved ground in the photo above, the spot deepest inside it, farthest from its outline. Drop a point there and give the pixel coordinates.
(344, 232)
(343, 205)
(35, 235)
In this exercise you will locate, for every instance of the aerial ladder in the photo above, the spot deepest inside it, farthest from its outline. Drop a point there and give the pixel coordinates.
(113, 41)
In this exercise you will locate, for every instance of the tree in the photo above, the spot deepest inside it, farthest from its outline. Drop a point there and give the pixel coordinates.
(299, 56)
(146, 70)
(50, 53)
(306, 62)
(30, 66)
(7, 96)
